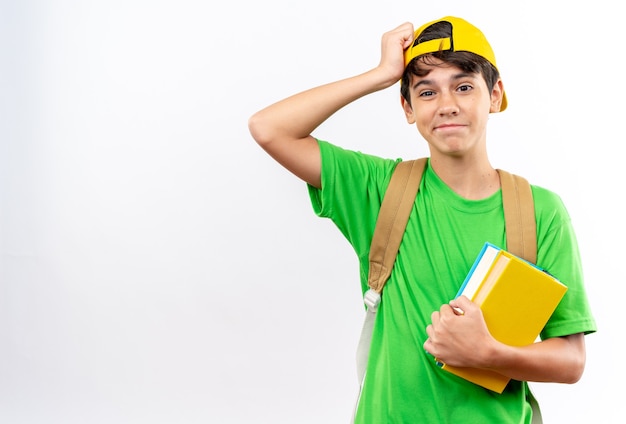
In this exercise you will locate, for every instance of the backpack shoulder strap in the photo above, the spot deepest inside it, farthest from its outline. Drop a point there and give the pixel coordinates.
(392, 219)
(519, 216)
(521, 235)
(390, 226)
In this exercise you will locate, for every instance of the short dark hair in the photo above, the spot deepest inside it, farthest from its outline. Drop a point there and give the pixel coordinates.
(466, 61)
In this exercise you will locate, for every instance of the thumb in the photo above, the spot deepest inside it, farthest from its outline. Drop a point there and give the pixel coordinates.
(461, 304)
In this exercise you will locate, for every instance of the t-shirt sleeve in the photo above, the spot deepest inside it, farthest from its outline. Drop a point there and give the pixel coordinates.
(558, 254)
(353, 185)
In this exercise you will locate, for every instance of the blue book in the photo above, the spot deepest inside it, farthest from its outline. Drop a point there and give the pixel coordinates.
(479, 269)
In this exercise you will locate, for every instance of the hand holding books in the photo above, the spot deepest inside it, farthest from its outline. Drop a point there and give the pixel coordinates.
(516, 299)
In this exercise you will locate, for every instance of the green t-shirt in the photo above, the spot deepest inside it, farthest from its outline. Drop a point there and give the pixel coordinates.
(444, 235)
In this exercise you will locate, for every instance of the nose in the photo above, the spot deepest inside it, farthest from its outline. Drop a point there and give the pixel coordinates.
(448, 104)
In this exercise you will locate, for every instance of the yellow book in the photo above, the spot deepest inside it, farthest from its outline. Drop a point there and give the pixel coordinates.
(516, 298)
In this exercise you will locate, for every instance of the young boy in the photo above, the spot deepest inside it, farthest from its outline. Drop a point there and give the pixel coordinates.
(449, 86)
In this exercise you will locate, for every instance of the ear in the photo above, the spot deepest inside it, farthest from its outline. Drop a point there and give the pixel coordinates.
(496, 97)
(408, 110)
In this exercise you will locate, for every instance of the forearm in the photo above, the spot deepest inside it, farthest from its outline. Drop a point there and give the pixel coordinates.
(297, 116)
(556, 360)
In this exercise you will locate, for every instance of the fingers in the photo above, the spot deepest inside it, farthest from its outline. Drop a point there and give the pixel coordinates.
(446, 310)
(401, 36)
(405, 32)
(394, 43)
(437, 329)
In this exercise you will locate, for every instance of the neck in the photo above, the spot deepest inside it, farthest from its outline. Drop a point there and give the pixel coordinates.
(469, 178)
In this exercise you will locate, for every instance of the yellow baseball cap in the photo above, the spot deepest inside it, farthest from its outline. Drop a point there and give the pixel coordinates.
(465, 37)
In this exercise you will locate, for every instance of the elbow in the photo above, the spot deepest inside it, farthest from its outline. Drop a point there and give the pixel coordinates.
(575, 365)
(575, 371)
(578, 358)
(259, 129)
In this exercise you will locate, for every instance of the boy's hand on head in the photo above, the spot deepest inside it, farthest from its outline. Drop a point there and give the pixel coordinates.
(394, 43)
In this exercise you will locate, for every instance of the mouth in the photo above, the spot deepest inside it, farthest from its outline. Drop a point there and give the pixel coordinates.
(448, 127)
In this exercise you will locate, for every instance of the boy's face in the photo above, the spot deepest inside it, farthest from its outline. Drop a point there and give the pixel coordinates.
(451, 108)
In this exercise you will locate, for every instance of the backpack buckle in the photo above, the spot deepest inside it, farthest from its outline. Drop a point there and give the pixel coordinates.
(371, 299)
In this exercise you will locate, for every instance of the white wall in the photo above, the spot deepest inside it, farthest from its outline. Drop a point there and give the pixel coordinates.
(156, 266)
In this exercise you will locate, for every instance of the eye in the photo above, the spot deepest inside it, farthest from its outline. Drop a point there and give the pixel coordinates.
(427, 93)
(465, 87)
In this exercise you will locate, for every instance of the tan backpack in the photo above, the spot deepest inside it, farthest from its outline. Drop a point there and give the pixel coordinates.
(520, 228)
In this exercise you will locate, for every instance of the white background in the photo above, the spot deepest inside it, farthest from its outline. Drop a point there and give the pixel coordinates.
(158, 267)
